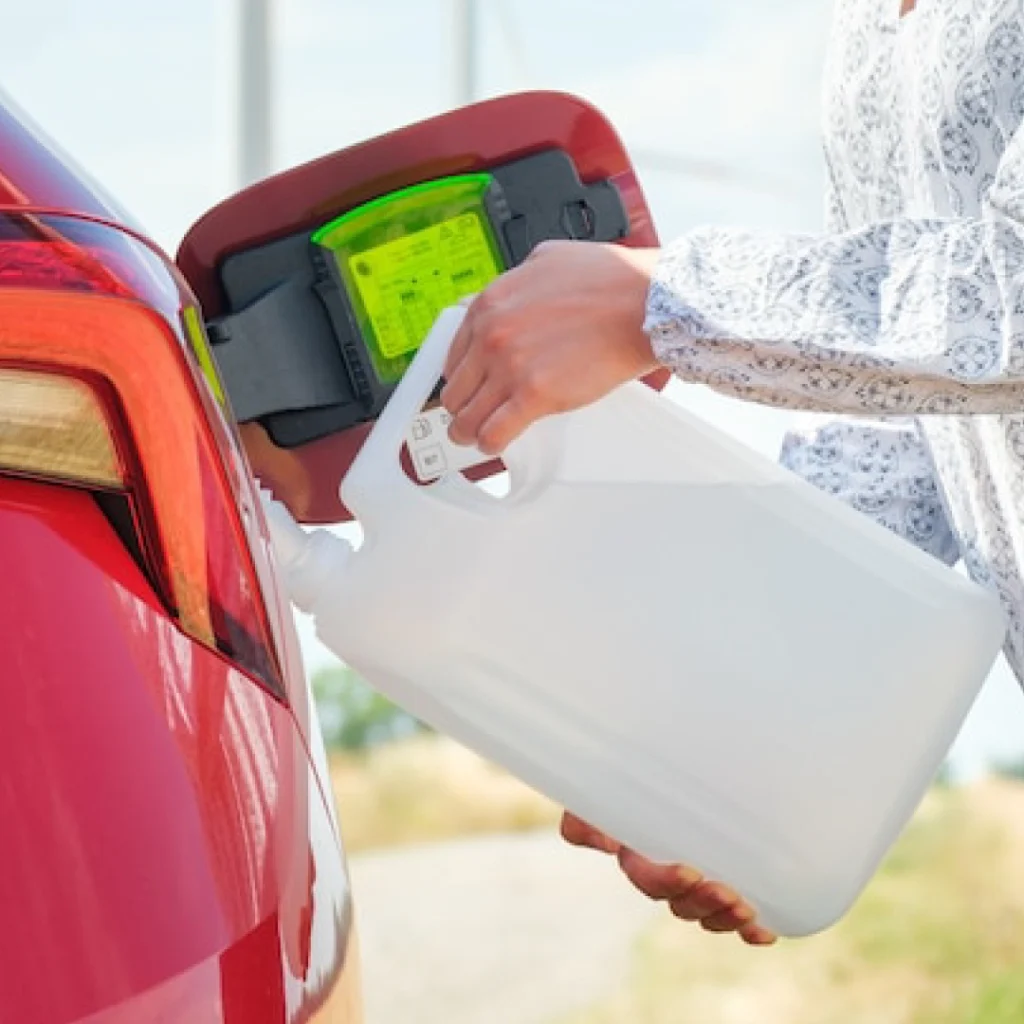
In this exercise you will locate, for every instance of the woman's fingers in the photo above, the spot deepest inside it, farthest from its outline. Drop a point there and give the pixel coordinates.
(715, 906)
(503, 426)
(462, 342)
(730, 920)
(755, 935)
(658, 881)
(462, 382)
(704, 901)
(468, 423)
(578, 833)
(691, 898)
(480, 350)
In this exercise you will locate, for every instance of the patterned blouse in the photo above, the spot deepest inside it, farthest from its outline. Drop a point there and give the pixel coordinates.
(906, 317)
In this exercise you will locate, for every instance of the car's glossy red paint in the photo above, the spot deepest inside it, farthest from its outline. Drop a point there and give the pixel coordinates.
(160, 806)
(169, 849)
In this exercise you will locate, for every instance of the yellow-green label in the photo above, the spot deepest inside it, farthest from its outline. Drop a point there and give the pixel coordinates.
(405, 283)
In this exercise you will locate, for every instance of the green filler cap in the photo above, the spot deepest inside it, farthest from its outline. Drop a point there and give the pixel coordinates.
(408, 255)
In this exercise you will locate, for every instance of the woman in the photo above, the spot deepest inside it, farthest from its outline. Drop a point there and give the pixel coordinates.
(906, 314)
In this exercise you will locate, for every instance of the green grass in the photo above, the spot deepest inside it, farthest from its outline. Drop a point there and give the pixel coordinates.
(992, 999)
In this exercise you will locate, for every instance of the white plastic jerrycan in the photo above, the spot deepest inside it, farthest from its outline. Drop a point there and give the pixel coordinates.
(681, 642)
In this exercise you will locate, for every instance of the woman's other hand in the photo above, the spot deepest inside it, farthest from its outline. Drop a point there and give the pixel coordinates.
(691, 897)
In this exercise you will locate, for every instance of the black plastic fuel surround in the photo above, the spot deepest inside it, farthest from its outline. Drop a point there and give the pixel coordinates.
(290, 351)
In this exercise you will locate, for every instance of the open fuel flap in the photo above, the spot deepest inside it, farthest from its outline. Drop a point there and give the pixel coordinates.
(318, 285)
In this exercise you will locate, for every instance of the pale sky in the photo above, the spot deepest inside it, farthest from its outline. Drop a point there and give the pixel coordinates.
(141, 94)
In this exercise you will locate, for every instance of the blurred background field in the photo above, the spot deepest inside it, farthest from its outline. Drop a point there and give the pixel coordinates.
(398, 783)
(429, 788)
(938, 938)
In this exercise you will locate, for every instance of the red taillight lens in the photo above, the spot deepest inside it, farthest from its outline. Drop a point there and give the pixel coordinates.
(100, 388)
(49, 261)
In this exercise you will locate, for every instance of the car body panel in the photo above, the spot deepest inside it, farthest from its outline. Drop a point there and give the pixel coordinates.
(166, 821)
(169, 849)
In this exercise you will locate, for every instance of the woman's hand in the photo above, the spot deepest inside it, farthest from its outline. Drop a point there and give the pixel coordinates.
(555, 333)
(691, 897)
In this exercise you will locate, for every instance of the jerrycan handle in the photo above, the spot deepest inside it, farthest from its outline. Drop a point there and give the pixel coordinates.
(377, 471)
(376, 474)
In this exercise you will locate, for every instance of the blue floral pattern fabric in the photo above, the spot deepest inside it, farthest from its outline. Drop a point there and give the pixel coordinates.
(906, 316)
(882, 469)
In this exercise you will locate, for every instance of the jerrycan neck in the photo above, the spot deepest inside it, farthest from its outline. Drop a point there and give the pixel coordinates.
(312, 562)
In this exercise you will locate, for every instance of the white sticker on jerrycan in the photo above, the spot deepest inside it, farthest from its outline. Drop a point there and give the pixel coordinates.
(432, 452)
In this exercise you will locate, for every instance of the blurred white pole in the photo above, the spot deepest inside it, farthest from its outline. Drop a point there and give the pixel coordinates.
(464, 18)
(255, 134)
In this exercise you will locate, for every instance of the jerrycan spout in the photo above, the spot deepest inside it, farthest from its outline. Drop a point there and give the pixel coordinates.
(311, 561)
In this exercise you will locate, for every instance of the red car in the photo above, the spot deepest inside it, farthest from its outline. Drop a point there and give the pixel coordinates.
(169, 850)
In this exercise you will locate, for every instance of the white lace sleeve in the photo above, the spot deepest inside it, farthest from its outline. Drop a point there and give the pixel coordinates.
(901, 317)
(881, 469)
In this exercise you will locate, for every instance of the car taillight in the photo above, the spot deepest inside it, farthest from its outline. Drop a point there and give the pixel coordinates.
(100, 388)
(55, 427)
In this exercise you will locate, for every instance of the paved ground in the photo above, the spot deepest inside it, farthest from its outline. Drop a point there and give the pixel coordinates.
(496, 930)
